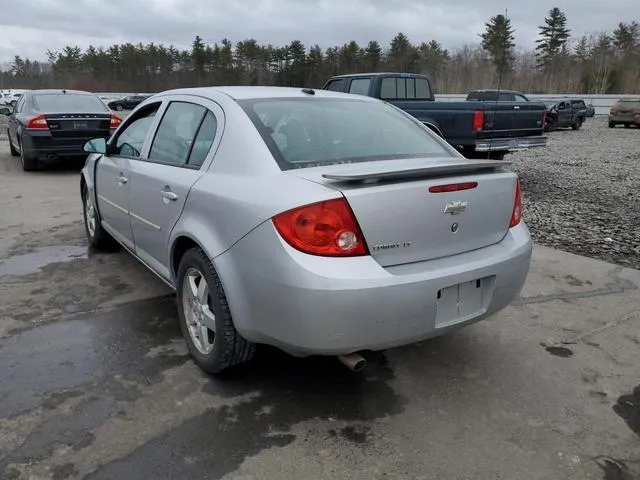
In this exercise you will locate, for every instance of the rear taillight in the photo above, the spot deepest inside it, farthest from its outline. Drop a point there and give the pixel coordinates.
(478, 120)
(38, 123)
(453, 187)
(516, 215)
(115, 121)
(544, 117)
(326, 229)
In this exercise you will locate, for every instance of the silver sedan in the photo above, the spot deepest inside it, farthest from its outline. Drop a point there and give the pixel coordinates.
(315, 221)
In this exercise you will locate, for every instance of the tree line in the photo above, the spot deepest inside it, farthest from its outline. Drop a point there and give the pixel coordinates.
(606, 62)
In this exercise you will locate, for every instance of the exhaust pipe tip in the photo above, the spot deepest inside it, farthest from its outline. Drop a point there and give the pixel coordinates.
(354, 362)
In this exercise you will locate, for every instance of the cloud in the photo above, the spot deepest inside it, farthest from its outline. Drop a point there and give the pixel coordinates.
(33, 26)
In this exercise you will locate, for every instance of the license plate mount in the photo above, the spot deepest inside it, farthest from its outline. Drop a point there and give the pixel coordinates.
(463, 301)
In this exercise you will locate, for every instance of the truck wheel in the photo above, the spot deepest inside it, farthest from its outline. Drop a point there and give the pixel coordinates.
(627, 125)
(577, 125)
(612, 125)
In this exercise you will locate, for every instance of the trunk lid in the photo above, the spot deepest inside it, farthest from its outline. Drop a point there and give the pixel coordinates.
(403, 222)
(514, 119)
(78, 125)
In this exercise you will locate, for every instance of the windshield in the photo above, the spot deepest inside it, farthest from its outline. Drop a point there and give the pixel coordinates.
(68, 103)
(315, 131)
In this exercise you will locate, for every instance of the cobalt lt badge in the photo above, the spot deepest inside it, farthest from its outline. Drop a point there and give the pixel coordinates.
(454, 227)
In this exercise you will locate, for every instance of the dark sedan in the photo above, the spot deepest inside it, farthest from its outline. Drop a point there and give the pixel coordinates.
(47, 125)
(127, 103)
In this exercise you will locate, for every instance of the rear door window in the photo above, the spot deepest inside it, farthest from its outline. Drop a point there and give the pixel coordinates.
(176, 133)
(360, 86)
(204, 140)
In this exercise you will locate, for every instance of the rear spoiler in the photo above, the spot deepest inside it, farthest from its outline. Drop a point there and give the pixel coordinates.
(434, 170)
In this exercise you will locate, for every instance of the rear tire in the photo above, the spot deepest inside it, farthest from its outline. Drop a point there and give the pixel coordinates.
(577, 124)
(612, 125)
(14, 152)
(218, 351)
(29, 164)
(98, 237)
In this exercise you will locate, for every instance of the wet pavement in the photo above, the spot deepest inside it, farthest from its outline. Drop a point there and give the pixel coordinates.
(96, 381)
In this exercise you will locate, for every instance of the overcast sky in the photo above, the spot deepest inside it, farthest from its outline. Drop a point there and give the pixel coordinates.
(29, 27)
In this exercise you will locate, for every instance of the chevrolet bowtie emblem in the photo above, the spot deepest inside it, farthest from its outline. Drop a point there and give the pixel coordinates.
(455, 207)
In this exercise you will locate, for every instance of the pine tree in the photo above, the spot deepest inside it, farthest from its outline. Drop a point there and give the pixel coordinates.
(554, 36)
(498, 41)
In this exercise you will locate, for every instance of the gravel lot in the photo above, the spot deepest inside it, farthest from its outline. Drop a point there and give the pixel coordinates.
(580, 192)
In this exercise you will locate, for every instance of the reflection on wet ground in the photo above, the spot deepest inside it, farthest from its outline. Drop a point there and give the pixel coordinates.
(32, 262)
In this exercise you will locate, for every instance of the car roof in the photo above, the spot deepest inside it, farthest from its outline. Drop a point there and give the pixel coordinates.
(45, 91)
(379, 74)
(253, 93)
(494, 90)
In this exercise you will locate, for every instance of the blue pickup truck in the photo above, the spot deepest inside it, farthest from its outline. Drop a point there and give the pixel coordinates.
(478, 129)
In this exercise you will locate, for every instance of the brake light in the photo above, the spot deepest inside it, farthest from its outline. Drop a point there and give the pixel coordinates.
(544, 117)
(38, 123)
(516, 215)
(453, 187)
(115, 121)
(327, 229)
(478, 120)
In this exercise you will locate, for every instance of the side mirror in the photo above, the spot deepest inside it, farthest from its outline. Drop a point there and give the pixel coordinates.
(6, 111)
(95, 145)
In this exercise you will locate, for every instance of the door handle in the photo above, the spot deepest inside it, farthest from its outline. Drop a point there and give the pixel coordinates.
(169, 195)
(122, 179)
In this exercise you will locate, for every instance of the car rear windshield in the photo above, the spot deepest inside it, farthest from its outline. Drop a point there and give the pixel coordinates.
(68, 103)
(629, 103)
(322, 131)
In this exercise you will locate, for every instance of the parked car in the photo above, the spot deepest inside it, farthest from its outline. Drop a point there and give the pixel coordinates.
(625, 111)
(318, 222)
(590, 111)
(495, 95)
(47, 125)
(127, 103)
(564, 113)
(478, 129)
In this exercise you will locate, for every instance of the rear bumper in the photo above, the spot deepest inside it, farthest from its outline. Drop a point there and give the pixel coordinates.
(510, 144)
(310, 305)
(39, 144)
(627, 118)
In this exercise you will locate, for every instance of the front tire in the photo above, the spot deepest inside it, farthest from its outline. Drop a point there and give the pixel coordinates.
(205, 317)
(98, 237)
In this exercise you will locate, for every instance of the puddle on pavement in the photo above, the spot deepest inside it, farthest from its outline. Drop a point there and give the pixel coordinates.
(563, 352)
(32, 262)
(628, 408)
